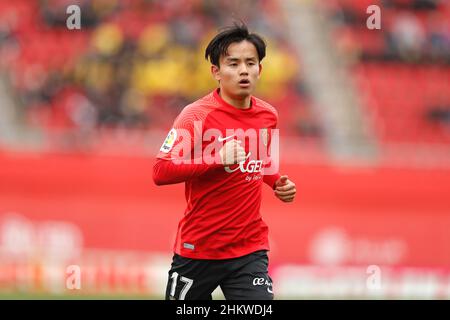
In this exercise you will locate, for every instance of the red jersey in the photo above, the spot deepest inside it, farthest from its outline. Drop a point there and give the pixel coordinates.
(222, 218)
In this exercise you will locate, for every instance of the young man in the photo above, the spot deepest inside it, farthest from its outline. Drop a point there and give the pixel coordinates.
(222, 239)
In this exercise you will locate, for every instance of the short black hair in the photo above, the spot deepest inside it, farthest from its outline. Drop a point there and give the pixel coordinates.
(239, 32)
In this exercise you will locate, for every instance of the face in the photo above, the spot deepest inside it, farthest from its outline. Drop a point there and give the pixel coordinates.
(239, 70)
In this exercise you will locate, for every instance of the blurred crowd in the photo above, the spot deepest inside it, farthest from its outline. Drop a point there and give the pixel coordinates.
(412, 31)
(402, 69)
(135, 63)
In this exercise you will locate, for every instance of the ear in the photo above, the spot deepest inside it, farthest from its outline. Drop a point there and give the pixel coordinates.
(260, 69)
(215, 71)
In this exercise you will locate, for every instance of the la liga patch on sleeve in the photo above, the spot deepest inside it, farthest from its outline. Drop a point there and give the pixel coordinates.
(169, 142)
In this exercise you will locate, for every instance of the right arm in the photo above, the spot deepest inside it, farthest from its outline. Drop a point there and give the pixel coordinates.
(168, 172)
(171, 165)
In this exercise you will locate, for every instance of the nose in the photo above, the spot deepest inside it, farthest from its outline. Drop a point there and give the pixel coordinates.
(243, 70)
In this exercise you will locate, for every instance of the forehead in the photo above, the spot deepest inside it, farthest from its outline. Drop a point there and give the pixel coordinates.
(241, 50)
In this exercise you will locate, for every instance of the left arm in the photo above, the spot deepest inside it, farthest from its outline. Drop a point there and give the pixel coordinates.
(284, 188)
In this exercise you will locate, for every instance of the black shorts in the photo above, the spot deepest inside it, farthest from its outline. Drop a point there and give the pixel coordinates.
(243, 278)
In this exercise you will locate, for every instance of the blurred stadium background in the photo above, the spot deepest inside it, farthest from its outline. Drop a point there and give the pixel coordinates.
(364, 124)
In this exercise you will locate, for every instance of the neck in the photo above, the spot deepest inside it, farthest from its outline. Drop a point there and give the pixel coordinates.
(243, 103)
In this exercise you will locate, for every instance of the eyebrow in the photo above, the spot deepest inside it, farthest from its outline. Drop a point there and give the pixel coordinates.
(232, 59)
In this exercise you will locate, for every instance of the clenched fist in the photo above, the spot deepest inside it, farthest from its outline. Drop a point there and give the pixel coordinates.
(232, 152)
(285, 189)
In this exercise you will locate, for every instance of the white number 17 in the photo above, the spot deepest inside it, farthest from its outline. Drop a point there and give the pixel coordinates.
(188, 284)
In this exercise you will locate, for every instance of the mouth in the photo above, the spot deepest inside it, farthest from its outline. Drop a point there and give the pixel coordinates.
(244, 83)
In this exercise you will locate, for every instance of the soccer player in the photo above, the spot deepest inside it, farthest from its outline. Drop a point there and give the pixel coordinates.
(222, 239)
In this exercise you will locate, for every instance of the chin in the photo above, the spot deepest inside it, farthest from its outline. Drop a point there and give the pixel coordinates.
(244, 92)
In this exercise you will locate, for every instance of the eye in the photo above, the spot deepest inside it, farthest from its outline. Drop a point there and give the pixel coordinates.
(233, 64)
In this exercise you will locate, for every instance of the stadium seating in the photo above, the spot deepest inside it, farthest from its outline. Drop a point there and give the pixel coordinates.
(399, 86)
(135, 64)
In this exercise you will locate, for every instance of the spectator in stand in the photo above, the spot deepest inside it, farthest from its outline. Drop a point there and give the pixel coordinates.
(438, 40)
(407, 37)
(439, 114)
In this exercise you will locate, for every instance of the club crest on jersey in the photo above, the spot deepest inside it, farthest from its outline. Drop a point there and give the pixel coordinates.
(264, 136)
(169, 142)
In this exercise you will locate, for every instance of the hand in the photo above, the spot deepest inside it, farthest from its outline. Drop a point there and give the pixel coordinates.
(232, 152)
(285, 189)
